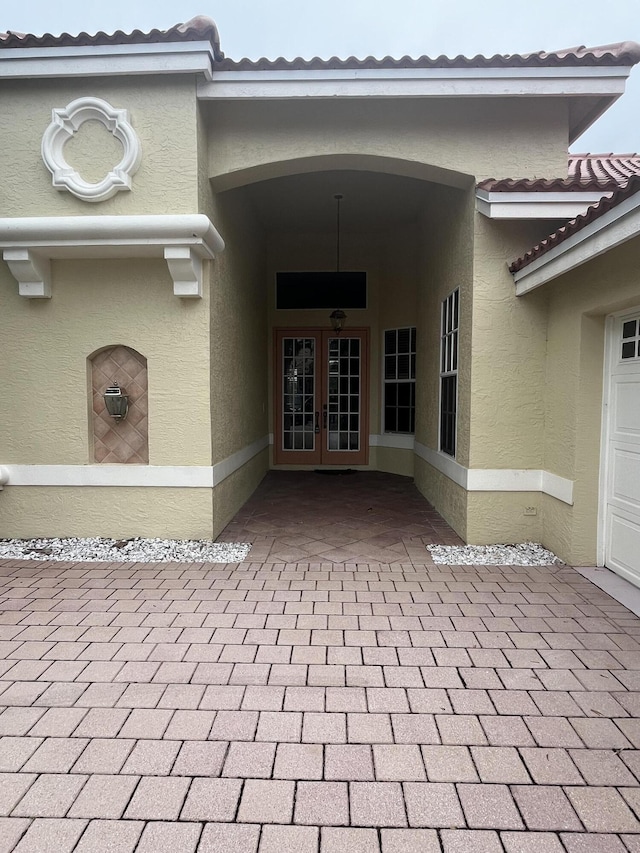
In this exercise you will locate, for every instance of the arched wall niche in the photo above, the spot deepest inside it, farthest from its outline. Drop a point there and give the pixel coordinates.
(126, 441)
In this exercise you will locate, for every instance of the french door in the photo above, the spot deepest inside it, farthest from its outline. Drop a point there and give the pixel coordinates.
(321, 398)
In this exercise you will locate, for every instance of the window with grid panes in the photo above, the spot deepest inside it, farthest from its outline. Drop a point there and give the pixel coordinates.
(449, 373)
(631, 339)
(400, 380)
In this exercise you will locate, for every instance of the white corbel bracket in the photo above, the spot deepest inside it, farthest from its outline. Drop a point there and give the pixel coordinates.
(32, 273)
(184, 241)
(185, 268)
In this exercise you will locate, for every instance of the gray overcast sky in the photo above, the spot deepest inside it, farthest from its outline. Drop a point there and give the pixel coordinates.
(361, 28)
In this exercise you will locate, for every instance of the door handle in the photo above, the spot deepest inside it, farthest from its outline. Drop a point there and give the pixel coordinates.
(317, 427)
(324, 416)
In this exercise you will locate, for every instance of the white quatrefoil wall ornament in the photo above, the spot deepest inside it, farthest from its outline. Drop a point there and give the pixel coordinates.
(65, 123)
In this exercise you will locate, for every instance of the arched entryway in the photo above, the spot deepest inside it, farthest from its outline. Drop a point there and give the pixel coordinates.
(288, 224)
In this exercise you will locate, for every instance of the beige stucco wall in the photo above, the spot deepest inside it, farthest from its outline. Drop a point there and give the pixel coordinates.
(509, 346)
(578, 304)
(209, 381)
(162, 111)
(238, 350)
(119, 513)
(394, 460)
(446, 263)
(501, 372)
(449, 499)
(535, 398)
(97, 304)
(232, 493)
(498, 517)
(483, 137)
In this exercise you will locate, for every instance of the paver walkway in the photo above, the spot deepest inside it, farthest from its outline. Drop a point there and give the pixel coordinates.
(316, 707)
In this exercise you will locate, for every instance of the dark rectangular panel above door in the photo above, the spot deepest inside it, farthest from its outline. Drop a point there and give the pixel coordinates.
(324, 290)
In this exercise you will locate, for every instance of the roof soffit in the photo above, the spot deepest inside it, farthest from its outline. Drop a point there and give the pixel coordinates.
(611, 222)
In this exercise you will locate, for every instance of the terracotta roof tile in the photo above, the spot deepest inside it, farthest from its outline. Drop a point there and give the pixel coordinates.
(622, 53)
(593, 212)
(200, 27)
(618, 168)
(545, 185)
(197, 29)
(595, 172)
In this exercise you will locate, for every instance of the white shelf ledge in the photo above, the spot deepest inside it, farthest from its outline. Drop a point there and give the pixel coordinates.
(183, 240)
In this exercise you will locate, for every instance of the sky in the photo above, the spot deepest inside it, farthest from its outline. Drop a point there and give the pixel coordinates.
(326, 28)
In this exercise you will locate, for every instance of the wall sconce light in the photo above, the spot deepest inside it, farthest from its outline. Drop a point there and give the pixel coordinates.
(116, 402)
(337, 320)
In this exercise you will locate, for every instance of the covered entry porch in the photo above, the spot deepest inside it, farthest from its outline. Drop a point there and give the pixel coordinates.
(287, 354)
(362, 517)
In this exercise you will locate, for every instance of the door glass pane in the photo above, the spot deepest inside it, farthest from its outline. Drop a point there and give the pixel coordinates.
(298, 394)
(343, 394)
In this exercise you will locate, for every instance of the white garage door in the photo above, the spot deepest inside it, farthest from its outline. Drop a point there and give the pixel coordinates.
(622, 508)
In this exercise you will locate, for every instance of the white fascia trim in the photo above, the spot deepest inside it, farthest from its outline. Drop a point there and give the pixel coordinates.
(397, 441)
(498, 479)
(415, 83)
(613, 228)
(152, 476)
(98, 60)
(535, 205)
(183, 240)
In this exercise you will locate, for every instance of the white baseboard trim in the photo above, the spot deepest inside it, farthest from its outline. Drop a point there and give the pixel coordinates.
(443, 463)
(558, 487)
(228, 466)
(149, 476)
(497, 479)
(396, 441)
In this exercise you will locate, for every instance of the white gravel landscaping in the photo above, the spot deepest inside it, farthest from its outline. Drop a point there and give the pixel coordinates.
(125, 550)
(525, 554)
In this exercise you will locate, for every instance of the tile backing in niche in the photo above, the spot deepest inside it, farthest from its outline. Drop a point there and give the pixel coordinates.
(125, 442)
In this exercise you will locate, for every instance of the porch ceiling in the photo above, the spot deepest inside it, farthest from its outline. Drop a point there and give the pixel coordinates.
(303, 203)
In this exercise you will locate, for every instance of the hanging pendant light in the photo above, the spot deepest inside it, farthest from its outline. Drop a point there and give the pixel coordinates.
(338, 316)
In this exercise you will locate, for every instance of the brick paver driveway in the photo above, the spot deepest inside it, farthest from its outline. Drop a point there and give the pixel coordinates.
(340, 707)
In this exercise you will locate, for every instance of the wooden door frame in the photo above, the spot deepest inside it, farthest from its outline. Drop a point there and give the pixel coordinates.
(300, 331)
